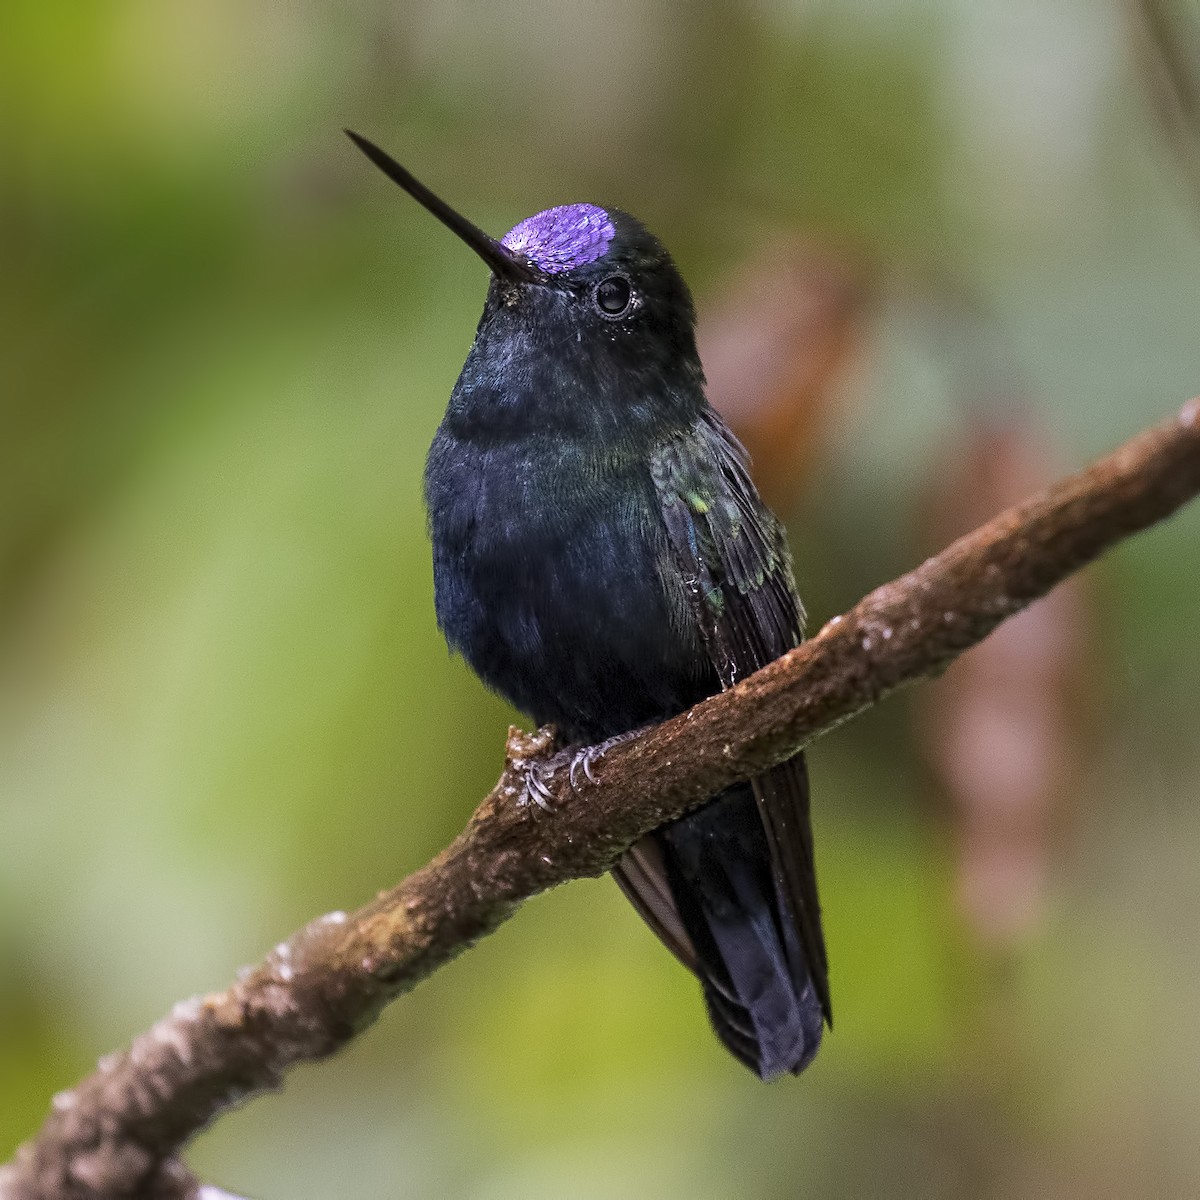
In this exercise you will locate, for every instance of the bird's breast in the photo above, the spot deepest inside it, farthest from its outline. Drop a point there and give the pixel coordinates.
(554, 579)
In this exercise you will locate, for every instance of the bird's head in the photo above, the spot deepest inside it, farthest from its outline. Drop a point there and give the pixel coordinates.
(577, 289)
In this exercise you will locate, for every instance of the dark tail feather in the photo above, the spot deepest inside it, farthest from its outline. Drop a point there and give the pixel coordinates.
(733, 1027)
(756, 984)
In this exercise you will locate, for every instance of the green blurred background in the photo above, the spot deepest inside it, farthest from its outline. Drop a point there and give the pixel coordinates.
(225, 343)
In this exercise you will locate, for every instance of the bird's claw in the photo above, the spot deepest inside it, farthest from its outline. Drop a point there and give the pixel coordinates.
(535, 789)
(535, 775)
(583, 761)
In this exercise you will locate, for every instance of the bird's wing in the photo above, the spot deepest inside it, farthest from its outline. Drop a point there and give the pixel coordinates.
(737, 568)
(642, 876)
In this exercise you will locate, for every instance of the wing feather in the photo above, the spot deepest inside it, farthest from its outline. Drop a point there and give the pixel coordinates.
(737, 570)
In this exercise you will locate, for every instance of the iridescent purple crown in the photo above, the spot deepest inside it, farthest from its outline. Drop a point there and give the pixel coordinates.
(562, 238)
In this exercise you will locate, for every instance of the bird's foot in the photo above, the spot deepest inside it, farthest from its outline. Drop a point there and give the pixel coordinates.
(530, 760)
(582, 761)
(526, 753)
(538, 773)
(535, 789)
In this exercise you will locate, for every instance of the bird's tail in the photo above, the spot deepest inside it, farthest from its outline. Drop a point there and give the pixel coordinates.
(757, 986)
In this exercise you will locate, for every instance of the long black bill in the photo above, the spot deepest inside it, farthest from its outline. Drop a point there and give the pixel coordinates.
(502, 261)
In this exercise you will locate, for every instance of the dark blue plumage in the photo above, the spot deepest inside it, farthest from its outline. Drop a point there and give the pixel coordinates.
(602, 559)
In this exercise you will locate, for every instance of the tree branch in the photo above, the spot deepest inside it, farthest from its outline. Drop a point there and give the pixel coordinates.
(118, 1133)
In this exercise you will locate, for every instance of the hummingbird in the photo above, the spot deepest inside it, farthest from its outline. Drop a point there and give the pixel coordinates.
(602, 560)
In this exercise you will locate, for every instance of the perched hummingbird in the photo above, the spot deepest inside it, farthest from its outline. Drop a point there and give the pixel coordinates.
(602, 560)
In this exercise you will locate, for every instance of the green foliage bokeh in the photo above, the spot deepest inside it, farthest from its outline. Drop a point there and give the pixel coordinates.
(224, 703)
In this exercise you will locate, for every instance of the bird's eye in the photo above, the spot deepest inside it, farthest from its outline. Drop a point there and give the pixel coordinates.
(613, 295)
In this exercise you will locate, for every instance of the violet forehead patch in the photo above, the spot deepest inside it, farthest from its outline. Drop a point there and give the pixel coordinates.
(560, 239)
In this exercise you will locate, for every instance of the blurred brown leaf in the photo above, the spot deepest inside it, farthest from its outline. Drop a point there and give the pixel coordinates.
(777, 347)
(1001, 728)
